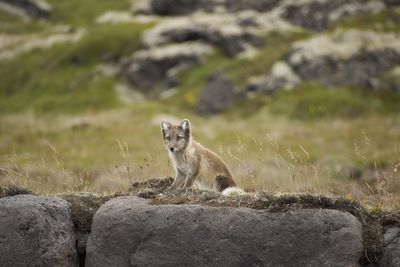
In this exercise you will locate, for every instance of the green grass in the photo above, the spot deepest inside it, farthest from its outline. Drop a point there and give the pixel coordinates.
(62, 78)
(83, 13)
(11, 24)
(265, 151)
(385, 21)
(109, 41)
(312, 101)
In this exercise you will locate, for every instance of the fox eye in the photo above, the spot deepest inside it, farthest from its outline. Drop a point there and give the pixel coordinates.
(179, 137)
(167, 138)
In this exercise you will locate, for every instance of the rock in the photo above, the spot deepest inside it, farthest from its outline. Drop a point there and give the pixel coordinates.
(149, 67)
(258, 5)
(391, 234)
(128, 231)
(353, 58)
(33, 8)
(177, 7)
(281, 76)
(392, 2)
(391, 80)
(391, 255)
(317, 15)
(184, 7)
(217, 95)
(221, 30)
(36, 231)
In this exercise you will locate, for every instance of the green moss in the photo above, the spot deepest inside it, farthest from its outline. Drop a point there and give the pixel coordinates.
(312, 100)
(16, 25)
(385, 21)
(110, 41)
(81, 13)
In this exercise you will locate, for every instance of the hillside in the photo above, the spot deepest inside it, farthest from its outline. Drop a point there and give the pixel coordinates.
(296, 96)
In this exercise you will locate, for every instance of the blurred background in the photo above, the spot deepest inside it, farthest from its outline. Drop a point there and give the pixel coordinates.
(296, 96)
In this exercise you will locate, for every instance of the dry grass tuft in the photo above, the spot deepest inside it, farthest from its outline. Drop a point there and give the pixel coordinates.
(12, 190)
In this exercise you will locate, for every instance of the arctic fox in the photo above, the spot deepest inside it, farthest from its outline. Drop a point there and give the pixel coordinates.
(195, 164)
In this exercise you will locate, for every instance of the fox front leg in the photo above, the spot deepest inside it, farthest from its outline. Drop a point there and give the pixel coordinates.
(178, 181)
(190, 178)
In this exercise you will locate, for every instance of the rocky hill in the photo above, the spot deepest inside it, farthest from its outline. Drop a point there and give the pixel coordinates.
(340, 44)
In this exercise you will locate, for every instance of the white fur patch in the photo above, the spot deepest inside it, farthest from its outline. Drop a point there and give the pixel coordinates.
(232, 191)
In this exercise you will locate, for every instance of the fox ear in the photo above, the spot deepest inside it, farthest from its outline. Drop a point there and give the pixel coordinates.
(165, 125)
(185, 124)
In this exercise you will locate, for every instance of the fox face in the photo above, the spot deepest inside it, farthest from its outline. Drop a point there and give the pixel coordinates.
(176, 137)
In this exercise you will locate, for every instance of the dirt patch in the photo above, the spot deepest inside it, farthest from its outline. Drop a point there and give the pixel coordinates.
(83, 208)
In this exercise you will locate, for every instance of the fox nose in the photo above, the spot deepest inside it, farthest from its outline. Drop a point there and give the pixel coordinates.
(172, 149)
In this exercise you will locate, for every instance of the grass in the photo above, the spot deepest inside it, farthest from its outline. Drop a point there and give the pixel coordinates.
(387, 20)
(314, 101)
(62, 128)
(110, 150)
(83, 13)
(63, 78)
(11, 24)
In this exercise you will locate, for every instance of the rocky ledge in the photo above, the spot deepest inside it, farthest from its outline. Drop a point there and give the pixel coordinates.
(130, 231)
(351, 58)
(237, 28)
(149, 227)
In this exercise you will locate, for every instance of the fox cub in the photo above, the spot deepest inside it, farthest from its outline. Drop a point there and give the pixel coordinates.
(193, 163)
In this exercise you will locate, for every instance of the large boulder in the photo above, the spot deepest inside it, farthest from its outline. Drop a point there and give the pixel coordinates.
(312, 14)
(225, 31)
(317, 15)
(362, 59)
(184, 7)
(281, 77)
(178, 7)
(392, 2)
(33, 8)
(353, 58)
(129, 231)
(391, 256)
(36, 231)
(149, 67)
(217, 95)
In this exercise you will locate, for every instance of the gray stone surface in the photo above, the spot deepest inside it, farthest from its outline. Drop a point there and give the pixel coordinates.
(225, 31)
(317, 15)
(184, 7)
(149, 67)
(391, 234)
(217, 95)
(36, 231)
(391, 256)
(127, 231)
(355, 58)
(280, 77)
(360, 59)
(33, 8)
(392, 2)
